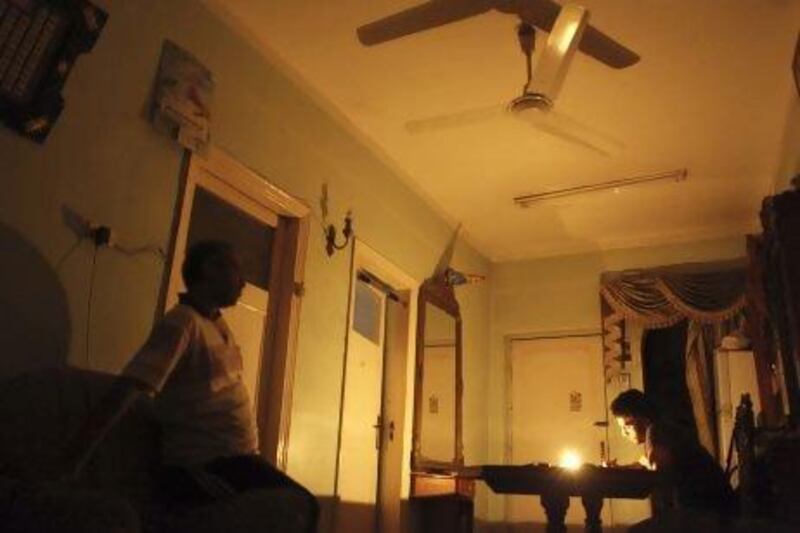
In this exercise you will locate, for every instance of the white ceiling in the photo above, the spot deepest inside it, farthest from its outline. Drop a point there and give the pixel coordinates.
(711, 93)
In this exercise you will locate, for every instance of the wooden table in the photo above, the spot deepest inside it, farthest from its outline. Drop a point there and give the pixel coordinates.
(554, 486)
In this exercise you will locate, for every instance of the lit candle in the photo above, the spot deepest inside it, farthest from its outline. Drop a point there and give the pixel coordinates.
(570, 460)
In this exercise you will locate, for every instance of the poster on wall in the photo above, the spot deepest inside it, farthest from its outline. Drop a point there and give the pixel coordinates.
(182, 103)
(40, 40)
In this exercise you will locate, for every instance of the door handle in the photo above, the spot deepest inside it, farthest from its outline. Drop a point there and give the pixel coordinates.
(378, 427)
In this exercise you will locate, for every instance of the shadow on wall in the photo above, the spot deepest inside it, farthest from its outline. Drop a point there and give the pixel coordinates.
(34, 318)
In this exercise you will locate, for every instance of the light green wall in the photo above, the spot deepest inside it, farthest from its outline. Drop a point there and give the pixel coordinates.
(104, 160)
(562, 294)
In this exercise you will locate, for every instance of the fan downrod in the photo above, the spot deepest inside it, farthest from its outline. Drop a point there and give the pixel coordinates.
(527, 37)
(526, 34)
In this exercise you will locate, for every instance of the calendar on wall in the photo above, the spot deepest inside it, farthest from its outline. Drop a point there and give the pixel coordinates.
(39, 42)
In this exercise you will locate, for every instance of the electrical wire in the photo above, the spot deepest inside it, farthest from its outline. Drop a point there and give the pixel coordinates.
(89, 306)
(136, 250)
(68, 253)
(127, 250)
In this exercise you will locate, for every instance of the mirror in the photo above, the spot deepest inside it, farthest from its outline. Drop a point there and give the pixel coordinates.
(437, 402)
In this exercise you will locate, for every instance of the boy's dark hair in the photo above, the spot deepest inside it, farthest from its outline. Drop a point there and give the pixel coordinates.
(197, 255)
(633, 403)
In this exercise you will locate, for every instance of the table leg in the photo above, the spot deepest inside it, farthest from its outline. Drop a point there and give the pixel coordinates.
(593, 504)
(555, 507)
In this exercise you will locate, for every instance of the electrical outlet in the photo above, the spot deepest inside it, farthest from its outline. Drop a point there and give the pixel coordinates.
(102, 235)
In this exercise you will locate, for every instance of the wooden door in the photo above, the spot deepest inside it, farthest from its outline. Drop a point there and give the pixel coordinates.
(557, 396)
(222, 199)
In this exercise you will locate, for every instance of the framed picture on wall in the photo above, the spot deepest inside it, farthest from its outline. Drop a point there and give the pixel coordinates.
(182, 105)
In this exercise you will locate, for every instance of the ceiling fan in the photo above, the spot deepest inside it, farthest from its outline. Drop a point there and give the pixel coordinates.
(543, 83)
(536, 13)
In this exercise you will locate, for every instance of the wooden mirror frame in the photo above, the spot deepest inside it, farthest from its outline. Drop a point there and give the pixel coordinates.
(436, 291)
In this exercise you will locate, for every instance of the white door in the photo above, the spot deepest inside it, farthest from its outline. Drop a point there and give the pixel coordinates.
(394, 399)
(215, 210)
(557, 395)
(357, 485)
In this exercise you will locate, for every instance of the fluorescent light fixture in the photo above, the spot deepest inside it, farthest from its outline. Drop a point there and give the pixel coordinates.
(680, 174)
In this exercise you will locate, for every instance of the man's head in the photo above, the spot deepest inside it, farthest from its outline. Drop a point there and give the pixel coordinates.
(634, 414)
(212, 269)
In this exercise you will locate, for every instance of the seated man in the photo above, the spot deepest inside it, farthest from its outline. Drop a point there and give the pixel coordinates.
(694, 479)
(193, 367)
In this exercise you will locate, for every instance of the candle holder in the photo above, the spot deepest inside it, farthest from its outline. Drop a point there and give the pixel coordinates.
(330, 235)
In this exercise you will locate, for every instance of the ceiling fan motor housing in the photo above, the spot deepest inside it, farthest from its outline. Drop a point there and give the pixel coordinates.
(530, 101)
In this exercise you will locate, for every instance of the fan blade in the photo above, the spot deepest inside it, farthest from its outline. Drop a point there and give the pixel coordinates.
(552, 66)
(455, 120)
(550, 122)
(539, 13)
(606, 50)
(420, 18)
(570, 130)
(594, 43)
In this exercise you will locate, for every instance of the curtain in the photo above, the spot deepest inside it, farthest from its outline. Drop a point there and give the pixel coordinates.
(664, 374)
(710, 296)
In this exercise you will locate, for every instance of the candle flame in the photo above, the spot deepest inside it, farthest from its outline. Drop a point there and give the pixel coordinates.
(570, 460)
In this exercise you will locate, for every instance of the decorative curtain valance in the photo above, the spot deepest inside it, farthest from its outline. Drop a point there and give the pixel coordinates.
(708, 295)
(662, 297)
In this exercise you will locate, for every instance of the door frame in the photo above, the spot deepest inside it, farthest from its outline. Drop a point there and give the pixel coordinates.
(221, 174)
(364, 257)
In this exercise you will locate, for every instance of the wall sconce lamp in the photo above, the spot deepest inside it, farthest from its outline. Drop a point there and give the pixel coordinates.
(330, 235)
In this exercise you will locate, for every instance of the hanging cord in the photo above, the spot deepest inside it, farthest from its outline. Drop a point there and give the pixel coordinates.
(68, 253)
(127, 250)
(89, 306)
(137, 250)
